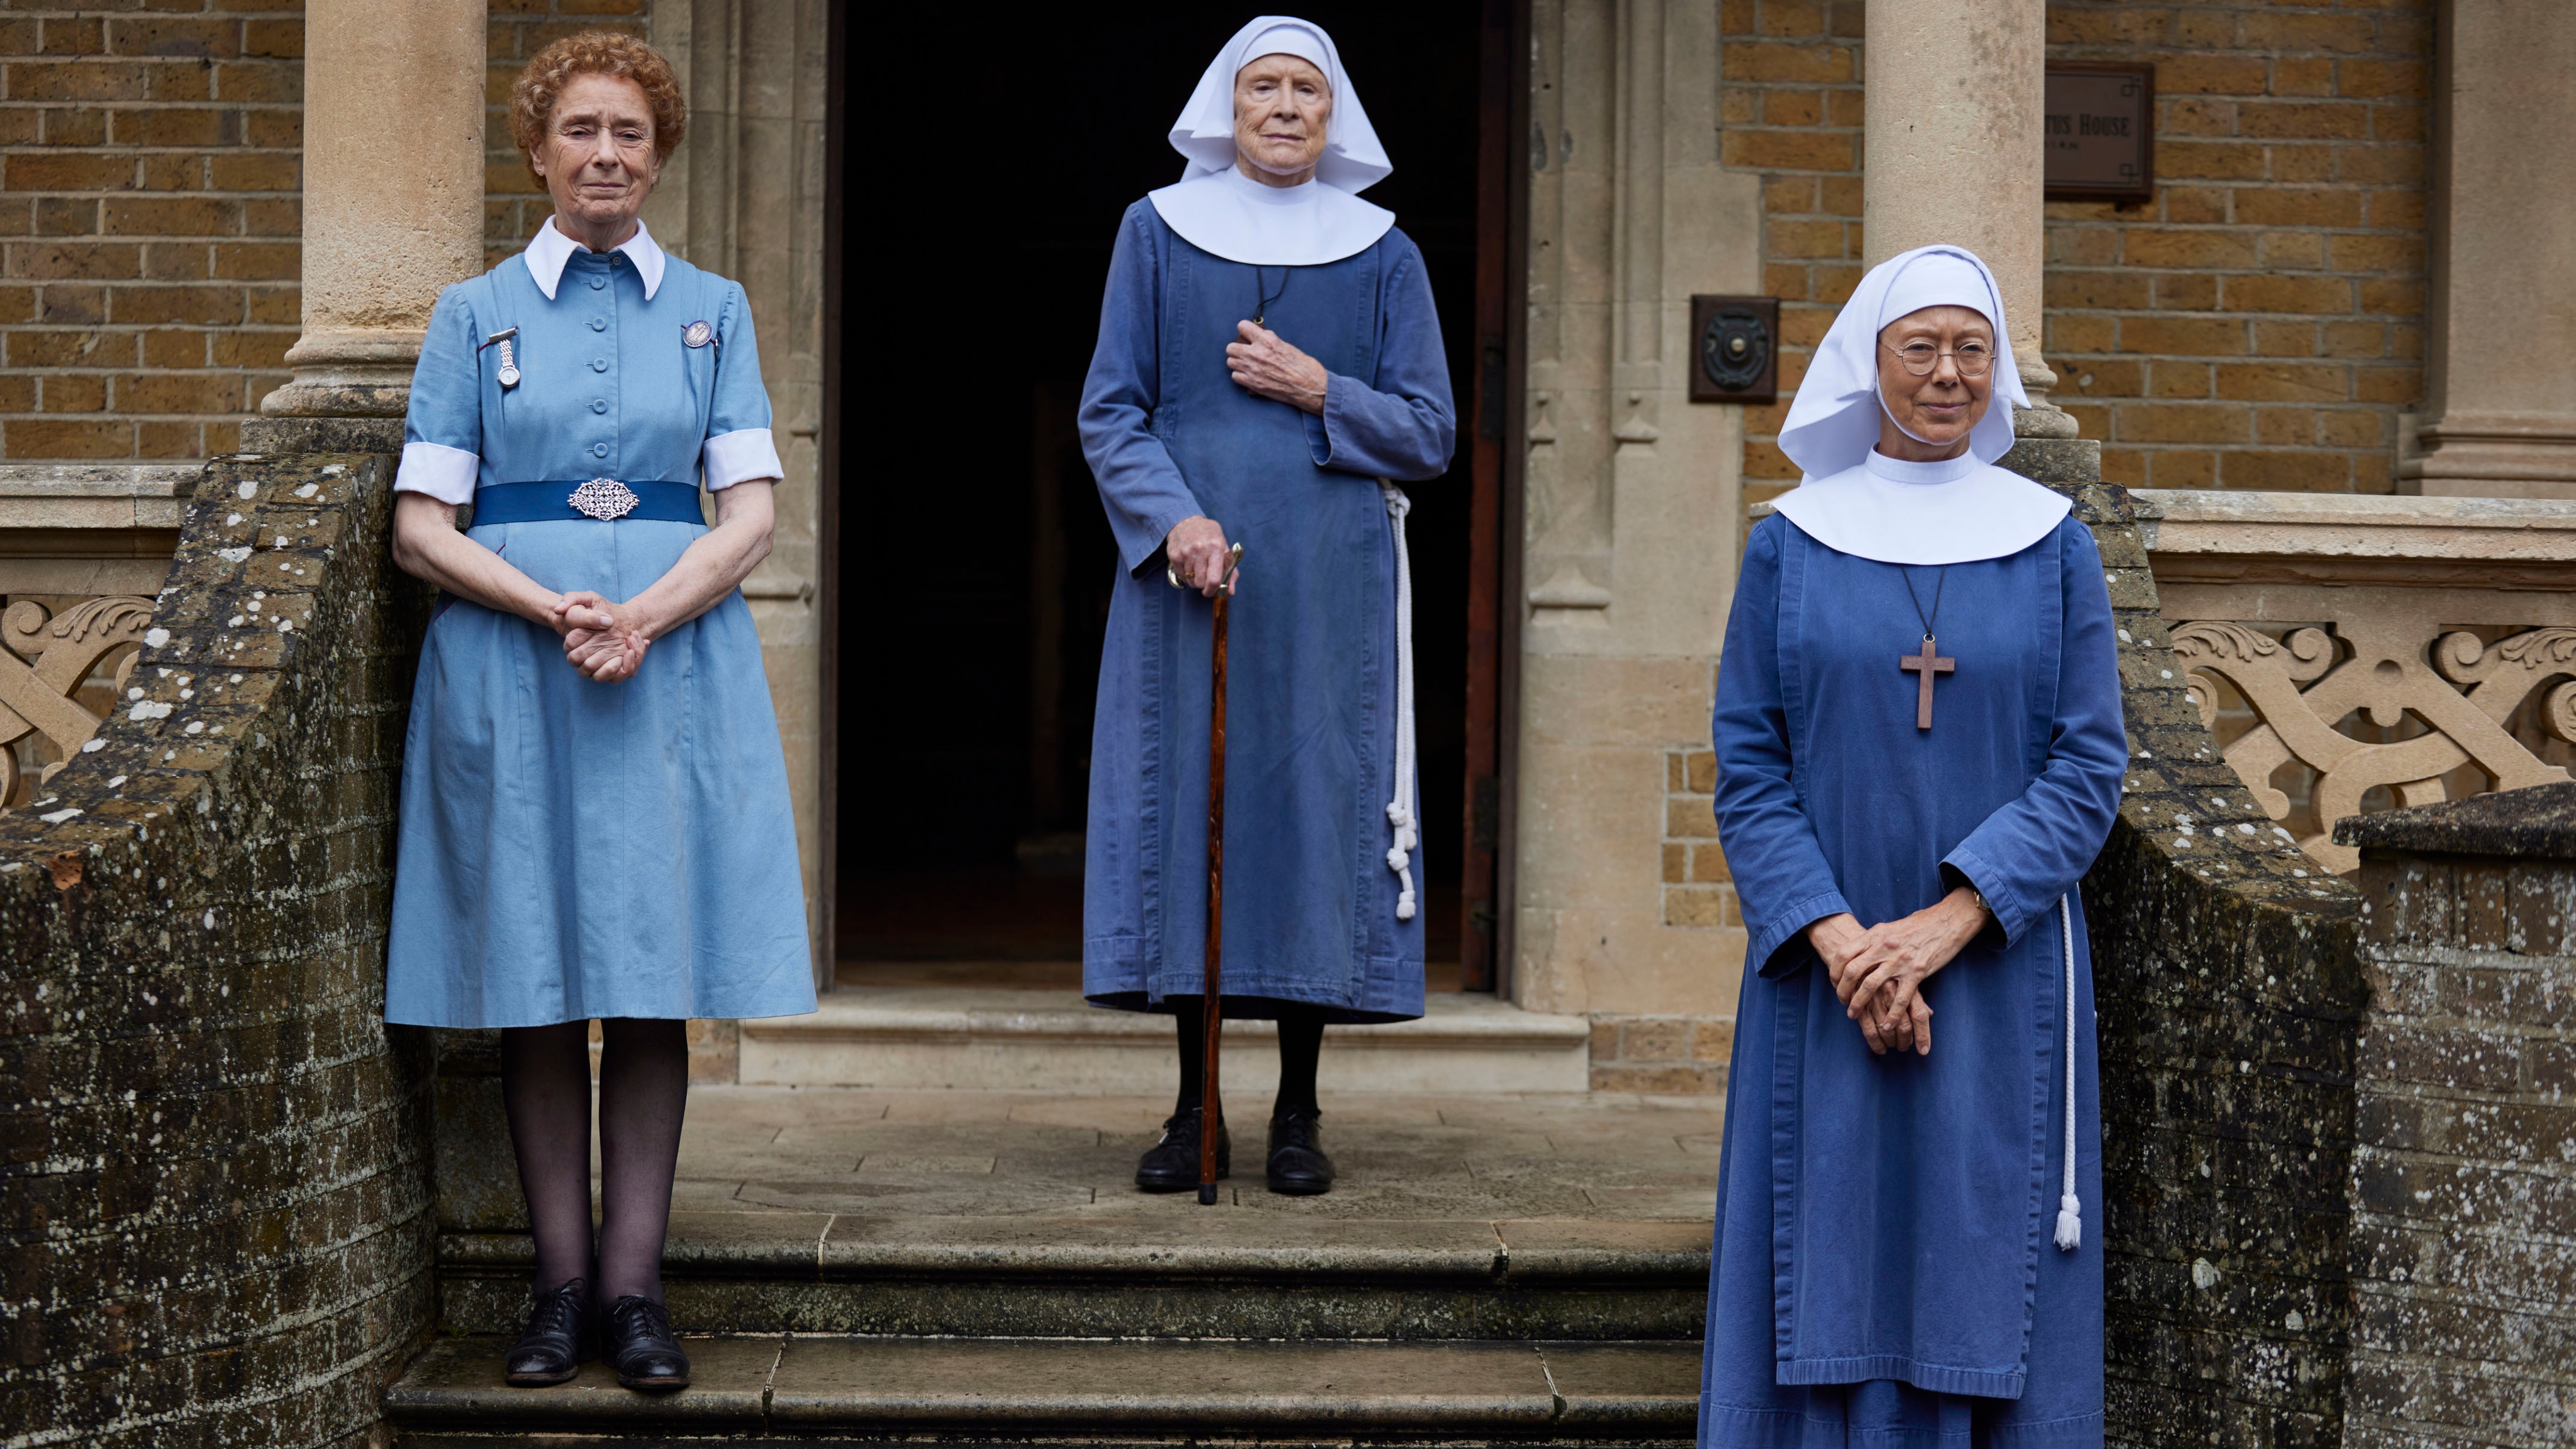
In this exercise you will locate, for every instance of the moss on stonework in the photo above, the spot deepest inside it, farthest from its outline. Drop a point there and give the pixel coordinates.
(215, 1203)
(2228, 996)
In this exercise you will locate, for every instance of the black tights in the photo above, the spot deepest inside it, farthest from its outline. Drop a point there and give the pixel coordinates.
(1301, 1041)
(643, 1093)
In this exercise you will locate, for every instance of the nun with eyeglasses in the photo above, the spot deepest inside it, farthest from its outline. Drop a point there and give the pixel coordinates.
(1919, 752)
(1269, 371)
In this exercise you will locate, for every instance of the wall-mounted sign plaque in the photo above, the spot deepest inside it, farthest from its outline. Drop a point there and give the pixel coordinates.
(2100, 122)
(1733, 358)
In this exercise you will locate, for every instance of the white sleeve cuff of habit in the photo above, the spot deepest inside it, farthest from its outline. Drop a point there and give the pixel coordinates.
(741, 456)
(444, 473)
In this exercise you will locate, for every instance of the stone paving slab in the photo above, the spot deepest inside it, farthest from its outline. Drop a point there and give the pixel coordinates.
(792, 1385)
(884, 1155)
(1014, 1215)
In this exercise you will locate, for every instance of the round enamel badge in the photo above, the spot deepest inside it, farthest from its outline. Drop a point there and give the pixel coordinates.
(697, 334)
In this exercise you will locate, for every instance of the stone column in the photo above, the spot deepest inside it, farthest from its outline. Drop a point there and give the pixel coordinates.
(2500, 388)
(393, 208)
(1955, 155)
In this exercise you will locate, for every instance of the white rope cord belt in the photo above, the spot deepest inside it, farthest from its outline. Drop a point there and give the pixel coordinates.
(2070, 1213)
(1399, 811)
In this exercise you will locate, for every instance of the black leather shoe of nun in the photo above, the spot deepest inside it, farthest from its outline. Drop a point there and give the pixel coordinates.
(1172, 1165)
(1298, 1166)
(641, 1346)
(550, 1351)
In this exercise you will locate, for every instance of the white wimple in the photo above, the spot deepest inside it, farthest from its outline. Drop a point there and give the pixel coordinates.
(1399, 811)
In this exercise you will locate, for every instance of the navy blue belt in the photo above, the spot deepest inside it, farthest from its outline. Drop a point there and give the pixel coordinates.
(546, 502)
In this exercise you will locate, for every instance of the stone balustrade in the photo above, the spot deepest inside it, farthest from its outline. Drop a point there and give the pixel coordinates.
(83, 551)
(2353, 653)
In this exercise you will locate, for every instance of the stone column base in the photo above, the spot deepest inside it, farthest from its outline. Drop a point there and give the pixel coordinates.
(2495, 455)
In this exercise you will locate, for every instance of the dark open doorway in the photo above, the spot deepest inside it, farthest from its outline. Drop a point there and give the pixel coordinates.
(974, 562)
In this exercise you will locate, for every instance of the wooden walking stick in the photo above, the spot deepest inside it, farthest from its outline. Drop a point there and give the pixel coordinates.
(1211, 1013)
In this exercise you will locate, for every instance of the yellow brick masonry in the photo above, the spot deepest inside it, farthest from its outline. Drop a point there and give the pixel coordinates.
(149, 180)
(2259, 325)
(151, 214)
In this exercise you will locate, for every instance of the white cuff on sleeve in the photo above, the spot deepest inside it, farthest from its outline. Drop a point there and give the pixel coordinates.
(741, 456)
(444, 473)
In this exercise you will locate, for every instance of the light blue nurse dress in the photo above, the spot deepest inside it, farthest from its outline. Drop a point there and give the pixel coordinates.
(570, 849)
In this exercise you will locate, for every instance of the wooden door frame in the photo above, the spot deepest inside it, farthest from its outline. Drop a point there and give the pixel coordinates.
(827, 488)
(1495, 464)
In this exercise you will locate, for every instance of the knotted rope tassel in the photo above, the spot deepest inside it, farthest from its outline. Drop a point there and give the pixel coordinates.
(1399, 811)
(2070, 1212)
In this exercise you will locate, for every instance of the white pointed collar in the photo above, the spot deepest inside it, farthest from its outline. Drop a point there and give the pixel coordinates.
(550, 249)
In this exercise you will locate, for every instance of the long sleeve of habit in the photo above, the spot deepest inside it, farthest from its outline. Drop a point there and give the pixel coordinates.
(1405, 426)
(2030, 852)
(1140, 485)
(1782, 881)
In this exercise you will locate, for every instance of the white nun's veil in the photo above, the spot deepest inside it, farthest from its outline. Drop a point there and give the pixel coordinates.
(1859, 501)
(1221, 211)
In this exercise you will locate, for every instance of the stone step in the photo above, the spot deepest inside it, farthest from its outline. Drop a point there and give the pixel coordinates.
(779, 1389)
(941, 1038)
(1185, 1273)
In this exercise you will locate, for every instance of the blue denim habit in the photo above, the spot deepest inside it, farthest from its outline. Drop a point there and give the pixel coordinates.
(1883, 1272)
(570, 849)
(1311, 656)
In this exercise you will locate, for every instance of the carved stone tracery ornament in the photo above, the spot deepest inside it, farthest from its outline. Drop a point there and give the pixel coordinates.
(44, 659)
(2461, 689)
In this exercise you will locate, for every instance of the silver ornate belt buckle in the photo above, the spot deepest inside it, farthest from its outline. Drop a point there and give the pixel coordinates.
(604, 499)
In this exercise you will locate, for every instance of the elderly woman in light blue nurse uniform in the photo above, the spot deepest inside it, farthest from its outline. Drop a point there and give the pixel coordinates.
(595, 817)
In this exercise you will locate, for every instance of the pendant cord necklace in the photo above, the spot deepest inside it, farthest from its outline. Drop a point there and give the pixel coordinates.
(1941, 581)
(1263, 296)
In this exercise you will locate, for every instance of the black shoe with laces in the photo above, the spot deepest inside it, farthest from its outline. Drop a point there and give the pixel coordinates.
(640, 1344)
(550, 1351)
(1172, 1165)
(1298, 1166)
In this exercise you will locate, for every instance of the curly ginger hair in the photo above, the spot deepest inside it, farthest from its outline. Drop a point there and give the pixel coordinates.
(595, 52)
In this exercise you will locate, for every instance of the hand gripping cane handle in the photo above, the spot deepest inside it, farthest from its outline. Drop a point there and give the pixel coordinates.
(1211, 1013)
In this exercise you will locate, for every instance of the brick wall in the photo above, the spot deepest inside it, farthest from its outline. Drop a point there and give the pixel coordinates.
(2260, 324)
(215, 1196)
(1677, 1056)
(151, 214)
(1789, 106)
(149, 179)
(2227, 997)
(2464, 1195)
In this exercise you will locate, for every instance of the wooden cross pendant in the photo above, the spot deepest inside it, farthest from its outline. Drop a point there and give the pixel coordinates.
(1924, 666)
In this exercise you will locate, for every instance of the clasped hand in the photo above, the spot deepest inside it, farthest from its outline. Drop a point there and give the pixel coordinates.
(1878, 971)
(604, 640)
(1265, 364)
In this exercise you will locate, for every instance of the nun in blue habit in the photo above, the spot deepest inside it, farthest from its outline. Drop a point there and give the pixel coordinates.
(1919, 751)
(1269, 369)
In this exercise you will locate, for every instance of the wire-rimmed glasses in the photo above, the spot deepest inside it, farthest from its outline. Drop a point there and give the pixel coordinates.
(1972, 357)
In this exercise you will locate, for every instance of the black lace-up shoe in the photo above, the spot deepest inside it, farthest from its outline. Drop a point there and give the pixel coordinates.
(1172, 1165)
(550, 1351)
(1298, 1166)
(640, 1344)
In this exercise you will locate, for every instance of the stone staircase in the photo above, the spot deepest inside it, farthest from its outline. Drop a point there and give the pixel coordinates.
(934, 1038)
(1407, 1308)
